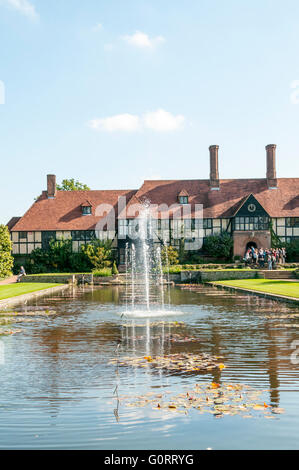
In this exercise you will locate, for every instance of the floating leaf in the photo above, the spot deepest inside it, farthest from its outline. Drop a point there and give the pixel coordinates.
(215, 385)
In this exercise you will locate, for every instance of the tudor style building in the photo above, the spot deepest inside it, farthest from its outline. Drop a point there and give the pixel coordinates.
(248, 209)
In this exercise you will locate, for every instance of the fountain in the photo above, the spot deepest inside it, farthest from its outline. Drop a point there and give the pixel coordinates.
(145, 283)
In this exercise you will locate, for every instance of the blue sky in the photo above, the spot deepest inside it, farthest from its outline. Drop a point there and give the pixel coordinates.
(114, 92)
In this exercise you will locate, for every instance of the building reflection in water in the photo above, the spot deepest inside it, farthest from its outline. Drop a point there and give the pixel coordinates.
(73, 349)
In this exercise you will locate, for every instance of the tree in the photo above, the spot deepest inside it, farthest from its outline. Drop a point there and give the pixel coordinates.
(6, 259)
(72, 185)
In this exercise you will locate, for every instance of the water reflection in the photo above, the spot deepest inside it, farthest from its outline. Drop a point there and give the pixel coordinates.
(57, 373)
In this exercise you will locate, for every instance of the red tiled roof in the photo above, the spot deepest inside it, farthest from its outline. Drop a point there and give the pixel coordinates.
(86, 204)
(280, 202)
(12, 222)
(64, 212)
(183, 193)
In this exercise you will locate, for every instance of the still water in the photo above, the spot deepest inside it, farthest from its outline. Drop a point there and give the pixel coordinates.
(58, 389)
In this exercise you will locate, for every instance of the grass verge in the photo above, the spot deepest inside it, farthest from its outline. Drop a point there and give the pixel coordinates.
(15, 290)
(268, 286)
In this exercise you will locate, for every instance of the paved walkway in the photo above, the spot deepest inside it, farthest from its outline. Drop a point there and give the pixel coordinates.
(10, 280)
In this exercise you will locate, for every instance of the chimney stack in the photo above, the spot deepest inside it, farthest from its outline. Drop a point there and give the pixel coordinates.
(271, 166)
(51, 186)
(214, 167)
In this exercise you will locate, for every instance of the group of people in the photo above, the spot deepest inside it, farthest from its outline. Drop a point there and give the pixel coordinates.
(260, 257)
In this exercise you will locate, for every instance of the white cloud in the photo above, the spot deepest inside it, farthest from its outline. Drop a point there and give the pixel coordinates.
(158, 121)
(22, 6)
(143, 41)
(163, 121)
(120, 122)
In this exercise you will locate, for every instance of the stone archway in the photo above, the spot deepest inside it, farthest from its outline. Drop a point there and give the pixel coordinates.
(262, 239)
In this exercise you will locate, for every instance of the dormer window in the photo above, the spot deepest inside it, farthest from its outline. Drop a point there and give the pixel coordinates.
(183, 197)
(86, 208)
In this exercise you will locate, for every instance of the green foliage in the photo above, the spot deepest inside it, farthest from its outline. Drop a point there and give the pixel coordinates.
(105, 272)
(58, 258)
(182, 250)
(72, 185)
(172, 269)
(292, 250)
(193, 257)
(275, 240)
(6, 259)
(171, 254)
(99, 253)
(219, 246)
(114, 269)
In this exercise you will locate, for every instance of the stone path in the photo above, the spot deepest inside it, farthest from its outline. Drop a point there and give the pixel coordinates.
(10, 280)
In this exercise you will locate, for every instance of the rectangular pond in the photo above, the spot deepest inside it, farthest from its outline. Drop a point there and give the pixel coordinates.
(211, 369)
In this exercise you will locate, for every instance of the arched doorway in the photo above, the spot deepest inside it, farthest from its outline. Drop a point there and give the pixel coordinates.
(251, 245)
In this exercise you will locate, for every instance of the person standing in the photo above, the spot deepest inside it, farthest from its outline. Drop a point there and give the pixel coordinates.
(21, 274)
(269, 260)
(274, 260)
(261, 258)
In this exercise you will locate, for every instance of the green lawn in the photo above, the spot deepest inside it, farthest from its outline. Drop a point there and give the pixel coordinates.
(269, 286)
(14, 290)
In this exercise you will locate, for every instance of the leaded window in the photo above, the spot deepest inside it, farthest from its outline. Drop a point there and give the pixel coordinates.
(86, 210)
(292, 222)
(183, 199)
(251, 223)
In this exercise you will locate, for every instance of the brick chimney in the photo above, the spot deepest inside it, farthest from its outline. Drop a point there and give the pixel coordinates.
(214, 167)
(271, 166)
(51, 186)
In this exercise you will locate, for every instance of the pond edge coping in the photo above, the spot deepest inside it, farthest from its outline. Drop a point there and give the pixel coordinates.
(280, 298)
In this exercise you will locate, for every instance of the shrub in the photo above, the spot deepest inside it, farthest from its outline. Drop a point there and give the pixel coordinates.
(99, 253)
(6, 259)
(105, 272)
(192, 257)
(292, 249)
(114, 269)
(219, 246)
(170, 254)
(58, 258)
(172, 269)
